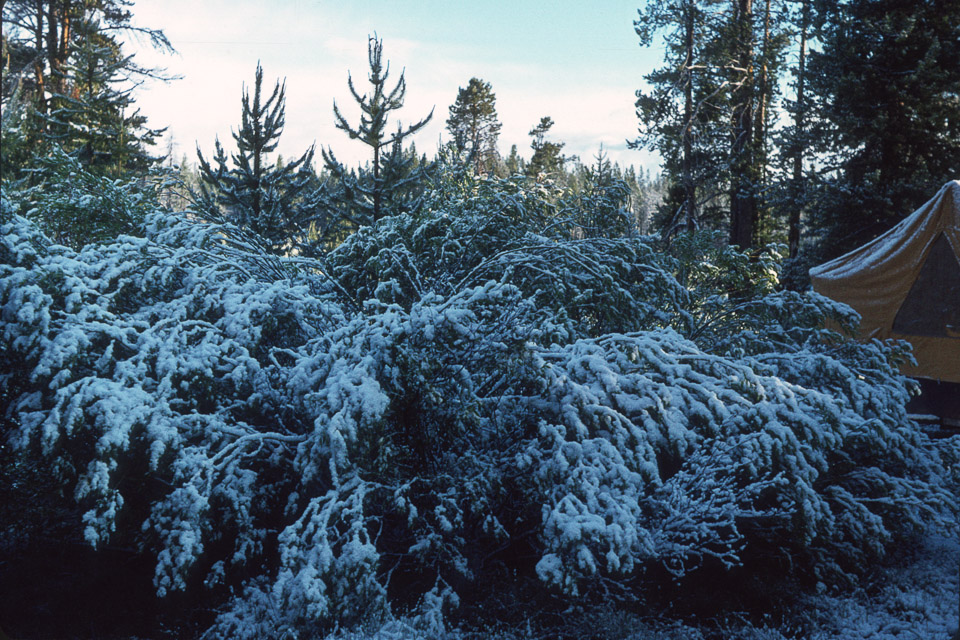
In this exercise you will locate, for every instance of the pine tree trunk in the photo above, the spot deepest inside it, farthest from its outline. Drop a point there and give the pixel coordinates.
(477, 144)
(63, 50)
(689, 189)
(796, 184)
(258, 134)
(760, 129)
(51, 48)
(58, 36)
(52, 40)
(377, 191)
(257, 204)
(743, 208)
(38, 67)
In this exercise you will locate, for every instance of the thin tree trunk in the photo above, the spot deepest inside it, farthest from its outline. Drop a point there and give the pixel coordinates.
(258, 133)
(477, 148)
(38, 68)
(53, 49)
(689, 188)
(377, 192)
(760, 130)
(56, 37)
(796, 184)
(743, 209)
(63, 40)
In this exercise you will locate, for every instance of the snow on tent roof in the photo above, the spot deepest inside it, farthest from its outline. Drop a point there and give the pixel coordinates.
(905, 284)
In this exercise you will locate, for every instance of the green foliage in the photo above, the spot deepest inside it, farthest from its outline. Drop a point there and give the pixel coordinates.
(74, 206)
(274, 201)
(474, 125)
(547, 161)
(514, 164)
(94, 118)
(64, 63)
(684, 115)
(484, 391)
(393, 181)
(468, 396)
(508, 232)
(886, 81)
(597, 206)
(17, 130)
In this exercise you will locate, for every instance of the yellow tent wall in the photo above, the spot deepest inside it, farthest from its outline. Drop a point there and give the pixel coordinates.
(877, 278)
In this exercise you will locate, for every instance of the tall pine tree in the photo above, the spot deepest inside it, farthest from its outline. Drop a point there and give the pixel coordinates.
(744, 178)
(795, 146)
(683, 116)
(394, 179)
(94, 114)
(546, 161)
(271, 199)
(474, 125)
(711, 108)
(62, 59)
(885, 85)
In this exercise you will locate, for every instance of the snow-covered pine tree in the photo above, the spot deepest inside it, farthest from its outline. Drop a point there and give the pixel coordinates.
(393, 180)
(75, 206)
(275, 201)
(15, 138)
(406, 174)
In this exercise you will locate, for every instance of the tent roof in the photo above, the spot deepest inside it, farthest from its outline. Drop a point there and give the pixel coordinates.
(905, 284)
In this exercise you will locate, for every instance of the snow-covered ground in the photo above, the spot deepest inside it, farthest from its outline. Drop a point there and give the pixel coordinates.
(917, 598)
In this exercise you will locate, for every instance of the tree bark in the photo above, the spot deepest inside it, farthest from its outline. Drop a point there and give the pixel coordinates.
(689, 188)
(38, 67)
(743, 207)
(796, 183)
(760, 128)
(377, 190)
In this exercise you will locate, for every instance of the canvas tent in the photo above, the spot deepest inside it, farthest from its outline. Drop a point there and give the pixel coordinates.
(906, 284)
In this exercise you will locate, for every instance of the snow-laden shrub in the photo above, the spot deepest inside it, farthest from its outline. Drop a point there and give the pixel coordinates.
(74, 206)
(498, 230)
(448, 399)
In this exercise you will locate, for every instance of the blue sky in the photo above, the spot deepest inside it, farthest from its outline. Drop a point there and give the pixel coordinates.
(578, 62)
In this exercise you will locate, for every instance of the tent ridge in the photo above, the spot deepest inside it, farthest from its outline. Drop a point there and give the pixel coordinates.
(908, 277)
